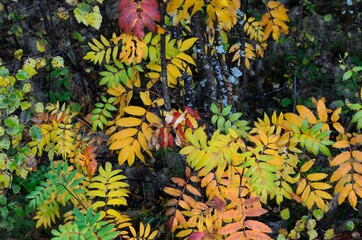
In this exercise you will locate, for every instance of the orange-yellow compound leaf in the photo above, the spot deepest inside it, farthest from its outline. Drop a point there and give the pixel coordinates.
(358, 189)
(207, 179)
(145, 97)
(123, 155)
(231, 228)
(195, 179)
(357, 178)
(256, 225)
(252, 234)
(322, 111)
(180, 218)
(294, 119)
(230, 214)
(305, 112)
(357, 167)
(335, 115)
(306, 166)
(344, 193)
(316, 176)
(273, 4)
(134, 110)
(193, 190)
(341, 172)
(172, 191)
(338, 127)
(340, 158)
(179, 181)
(118, 144)
(301, 186)
(184, 205)
(357, 155)
(189, 200)
(153, 119)
(124, 133)
(182, 234)
(341, 144)
(254, 212)
(171, 202)
(352, 199)
(129, 122)
(320, 185)
(323, 194)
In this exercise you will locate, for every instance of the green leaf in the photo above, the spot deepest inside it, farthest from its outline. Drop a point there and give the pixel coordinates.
(235, 116)
(36, 133)
(347, 75)
(226, 110)
(350, 225)
(328, 17)
(213, 108)
(318, 214)
(285, 214)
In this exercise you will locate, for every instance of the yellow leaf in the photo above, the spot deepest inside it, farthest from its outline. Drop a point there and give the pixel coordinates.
(340, 158)
(131, 156)
(187, 150)
(276, 32)
(322, 111)
(306, 193)
(310, 200)
(123, 154)
(335, 115)
(186, 58)
(172, 7)
(320, 185)
(352, 198)
(344, 193)
(188, 43)
(341, 144)
(129, 122)
(145, 97)
(305, 112)
(341, 171)
(207, 179)
(134, 110)
(323, 194)
(342, 182)
(124, 133)
(273, 4)
(172, 191)
(306, 166)
(316, 176)
(294, 119)
(301, 186)
(137, 151)
(182, 234)
(143, 142)
(338, 127)
(153, 119)
(118, 144)
(357, 178)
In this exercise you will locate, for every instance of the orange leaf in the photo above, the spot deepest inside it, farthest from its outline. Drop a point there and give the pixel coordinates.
(207, 179)
(193, 190)
(338, 127)
(179, 181)
(252, 234)
(172, 191)
(341, 144)
(231, 228)
(180, 218)
(219, 204)
(172, 223)
(316, 176)
(301, 186)
(357, 155)
(256, 225)
(340, 158)
(306, 166)
(231, 214)
(344, 193)
(357, 167)
(357, 178)
(254, 212)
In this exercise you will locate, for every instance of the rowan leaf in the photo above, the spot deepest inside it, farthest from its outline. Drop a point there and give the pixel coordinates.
(129, 122)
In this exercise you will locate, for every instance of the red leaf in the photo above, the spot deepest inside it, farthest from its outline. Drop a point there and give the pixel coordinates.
(151, 8)
(219, 204)
(196, 236)
(170, 140)
(148, 22)
(91, 168)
